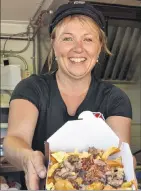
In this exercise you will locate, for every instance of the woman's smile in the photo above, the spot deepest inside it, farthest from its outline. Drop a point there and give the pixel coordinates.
(76, 60)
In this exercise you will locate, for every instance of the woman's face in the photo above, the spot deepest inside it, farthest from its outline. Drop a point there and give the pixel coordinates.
(77, 47)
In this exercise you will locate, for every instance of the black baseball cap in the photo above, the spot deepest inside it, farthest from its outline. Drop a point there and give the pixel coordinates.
(77, 8)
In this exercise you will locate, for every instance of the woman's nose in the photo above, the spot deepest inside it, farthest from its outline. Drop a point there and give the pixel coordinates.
(78, 47)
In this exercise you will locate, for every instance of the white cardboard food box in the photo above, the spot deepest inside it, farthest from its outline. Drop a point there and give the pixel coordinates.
(89, 131)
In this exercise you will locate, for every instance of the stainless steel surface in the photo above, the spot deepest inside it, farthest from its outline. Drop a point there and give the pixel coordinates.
(124, 39)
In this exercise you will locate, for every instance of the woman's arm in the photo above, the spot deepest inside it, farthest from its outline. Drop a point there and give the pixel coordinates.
(122, 127)
(22, 121)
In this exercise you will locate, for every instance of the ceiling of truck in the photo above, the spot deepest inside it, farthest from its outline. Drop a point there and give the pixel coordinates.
(17, 10)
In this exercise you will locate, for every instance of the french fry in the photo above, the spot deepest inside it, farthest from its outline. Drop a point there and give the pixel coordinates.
(63, 185)
(50, 180)
(53, 160)
(98, 157)
(80, 155)
(52, 168)
(114, 163)
(50, 186)
(95, 186)
(126, 184)
(134, 182)
(56, 181)
(129, 188)
(119, 159)
(130, 184)
(79, 180)
(84, 155)
(110, 151)
(108, 187)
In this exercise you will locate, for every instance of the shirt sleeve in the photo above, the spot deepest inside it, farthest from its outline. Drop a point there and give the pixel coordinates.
(28, 89)
(119, 104)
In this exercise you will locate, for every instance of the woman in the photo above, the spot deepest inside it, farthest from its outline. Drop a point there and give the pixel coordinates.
(41, 104)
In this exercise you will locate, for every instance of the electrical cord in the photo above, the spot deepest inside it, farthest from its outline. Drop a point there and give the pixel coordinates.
(6, 91)
(40, 6)
(11, 53)
(16, 52)
(21, 58)
(25, 33)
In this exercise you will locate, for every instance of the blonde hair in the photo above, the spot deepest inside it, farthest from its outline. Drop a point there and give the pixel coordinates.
(83, 19)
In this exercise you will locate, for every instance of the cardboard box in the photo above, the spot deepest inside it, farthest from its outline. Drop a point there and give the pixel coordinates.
(89, 131)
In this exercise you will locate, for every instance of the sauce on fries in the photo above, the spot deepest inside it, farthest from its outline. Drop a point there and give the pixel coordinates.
(91, 170)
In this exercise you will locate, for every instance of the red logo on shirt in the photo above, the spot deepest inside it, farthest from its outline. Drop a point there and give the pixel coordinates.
(99, 115)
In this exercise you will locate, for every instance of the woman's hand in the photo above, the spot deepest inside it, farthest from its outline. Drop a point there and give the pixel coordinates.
(34, 169)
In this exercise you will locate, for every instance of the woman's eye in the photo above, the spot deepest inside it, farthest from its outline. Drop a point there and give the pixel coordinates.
(67, 39)
(88, 39)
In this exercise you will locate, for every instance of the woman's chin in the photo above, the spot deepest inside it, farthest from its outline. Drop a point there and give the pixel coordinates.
(77, 71)
(77, 74)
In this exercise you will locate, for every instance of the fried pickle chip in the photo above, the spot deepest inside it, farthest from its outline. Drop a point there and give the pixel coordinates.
(59, 156)
(95, 186)
(63, 185)
(52, 168)
(110, 151)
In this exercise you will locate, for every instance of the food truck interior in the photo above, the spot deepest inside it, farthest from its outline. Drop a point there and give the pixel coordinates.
(25, 45)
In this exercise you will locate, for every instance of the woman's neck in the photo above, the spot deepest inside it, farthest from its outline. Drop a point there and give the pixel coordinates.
(72, 87)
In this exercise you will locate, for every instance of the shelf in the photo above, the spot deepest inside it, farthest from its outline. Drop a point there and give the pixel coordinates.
(4, 105)
(3, 125)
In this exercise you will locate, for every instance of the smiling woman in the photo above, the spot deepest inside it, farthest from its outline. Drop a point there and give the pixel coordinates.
(41, 104)
(78, 33)
(76, 47)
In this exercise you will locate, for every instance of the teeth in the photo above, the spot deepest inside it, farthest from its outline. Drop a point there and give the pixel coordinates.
(77, 59)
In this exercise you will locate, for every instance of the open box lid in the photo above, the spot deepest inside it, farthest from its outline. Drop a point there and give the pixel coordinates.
(87, 131)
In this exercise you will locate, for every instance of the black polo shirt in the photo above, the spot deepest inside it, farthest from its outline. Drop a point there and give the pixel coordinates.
(43, 92)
